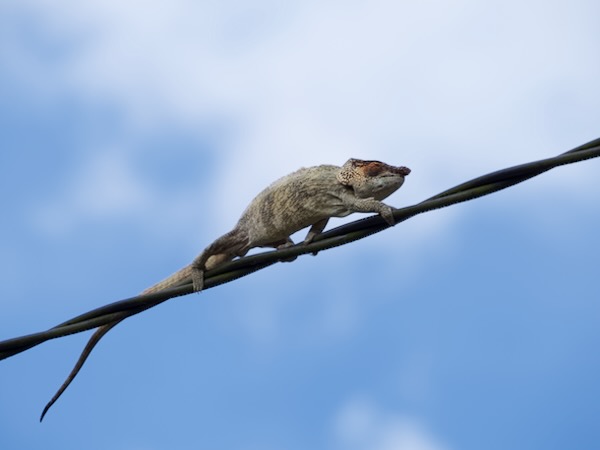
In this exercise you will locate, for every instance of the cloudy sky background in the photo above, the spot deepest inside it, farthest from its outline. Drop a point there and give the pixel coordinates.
(134, 133)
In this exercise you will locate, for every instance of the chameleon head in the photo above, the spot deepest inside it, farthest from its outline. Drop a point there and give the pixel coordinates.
(372, 178)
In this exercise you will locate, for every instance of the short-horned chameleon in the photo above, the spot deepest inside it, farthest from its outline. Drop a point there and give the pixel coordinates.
(308, 197)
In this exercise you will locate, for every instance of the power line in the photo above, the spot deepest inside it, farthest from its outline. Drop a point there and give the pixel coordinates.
(341, 235)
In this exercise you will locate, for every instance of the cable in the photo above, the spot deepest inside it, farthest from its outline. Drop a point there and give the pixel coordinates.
(341, 235)
(470, 190)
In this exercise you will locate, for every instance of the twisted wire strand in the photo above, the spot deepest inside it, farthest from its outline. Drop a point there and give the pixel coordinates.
(470, 190)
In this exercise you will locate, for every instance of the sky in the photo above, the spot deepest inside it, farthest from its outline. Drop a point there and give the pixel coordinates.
(135, 133)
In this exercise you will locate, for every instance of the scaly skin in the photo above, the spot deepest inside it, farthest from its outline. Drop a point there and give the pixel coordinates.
(307, 197)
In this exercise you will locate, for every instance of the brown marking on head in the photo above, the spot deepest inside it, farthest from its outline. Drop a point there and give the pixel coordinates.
(378, 168)
(355, 169)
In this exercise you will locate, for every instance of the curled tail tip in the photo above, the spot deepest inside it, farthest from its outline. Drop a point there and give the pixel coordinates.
(60, 392)
(101, 331)
(51, 402)
(46, 408)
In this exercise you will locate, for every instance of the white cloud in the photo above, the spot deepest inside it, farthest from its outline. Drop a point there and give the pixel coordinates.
(453, 90)
(446, 87)
(105, 187)
(361, 425)
(108, 186)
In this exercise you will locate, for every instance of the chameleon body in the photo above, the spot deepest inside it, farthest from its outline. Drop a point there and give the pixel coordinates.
(308, 197)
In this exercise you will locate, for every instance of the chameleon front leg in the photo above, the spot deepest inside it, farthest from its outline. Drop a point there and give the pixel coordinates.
(355, 204)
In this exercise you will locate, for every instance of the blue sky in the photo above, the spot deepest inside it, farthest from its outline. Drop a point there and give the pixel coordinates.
(134, 133)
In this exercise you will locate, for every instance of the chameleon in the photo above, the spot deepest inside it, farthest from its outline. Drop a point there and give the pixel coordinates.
(307, 197)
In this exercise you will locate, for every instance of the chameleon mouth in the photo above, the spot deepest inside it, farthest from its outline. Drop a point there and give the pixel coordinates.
(402, 171)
